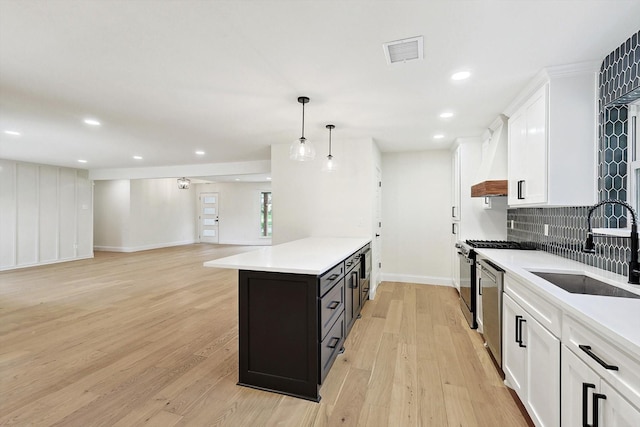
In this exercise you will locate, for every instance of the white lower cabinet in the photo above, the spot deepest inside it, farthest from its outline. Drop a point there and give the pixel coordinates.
(588, 400)
(531, 363)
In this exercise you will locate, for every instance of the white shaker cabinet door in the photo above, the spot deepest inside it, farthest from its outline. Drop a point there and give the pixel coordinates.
(616, 410)
(513, 354)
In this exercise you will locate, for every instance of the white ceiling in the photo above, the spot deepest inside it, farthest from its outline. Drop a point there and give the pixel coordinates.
(167, 78)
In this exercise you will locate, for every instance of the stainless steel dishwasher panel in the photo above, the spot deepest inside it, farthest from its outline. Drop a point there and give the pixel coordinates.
(491, 282)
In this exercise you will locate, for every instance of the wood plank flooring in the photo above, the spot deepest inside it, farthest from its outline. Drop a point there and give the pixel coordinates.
(151, 338)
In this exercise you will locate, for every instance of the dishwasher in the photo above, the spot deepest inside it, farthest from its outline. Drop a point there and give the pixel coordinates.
(490, 287)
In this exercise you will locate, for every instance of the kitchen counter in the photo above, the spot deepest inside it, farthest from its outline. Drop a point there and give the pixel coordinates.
(313, 256)
(617, 319)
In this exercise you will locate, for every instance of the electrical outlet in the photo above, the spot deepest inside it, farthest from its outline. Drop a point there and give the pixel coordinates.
(546, 229)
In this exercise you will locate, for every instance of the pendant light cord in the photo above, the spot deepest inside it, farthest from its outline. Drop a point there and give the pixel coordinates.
(302, 121)
(330, 142)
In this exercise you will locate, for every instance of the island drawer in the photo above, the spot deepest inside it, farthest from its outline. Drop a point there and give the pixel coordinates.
(331, 346)
(352, 261)
(331, 306)
(330, 278)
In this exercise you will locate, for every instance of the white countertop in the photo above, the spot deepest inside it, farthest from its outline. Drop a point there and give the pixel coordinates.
(313, 255)
(618, 319)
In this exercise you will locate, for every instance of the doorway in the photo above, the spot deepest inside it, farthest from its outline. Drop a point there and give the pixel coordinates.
(208, 221)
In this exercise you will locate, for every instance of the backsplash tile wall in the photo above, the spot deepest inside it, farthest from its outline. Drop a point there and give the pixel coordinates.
(619, 84)
(567, 234)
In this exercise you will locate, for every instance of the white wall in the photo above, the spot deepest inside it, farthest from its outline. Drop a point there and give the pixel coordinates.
(239, 211)
(134, 215)
(416, 209)
(310, 203)
(46, 214)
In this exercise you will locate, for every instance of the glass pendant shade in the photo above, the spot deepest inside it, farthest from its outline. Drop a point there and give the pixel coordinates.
(302, 150)
(329, 164)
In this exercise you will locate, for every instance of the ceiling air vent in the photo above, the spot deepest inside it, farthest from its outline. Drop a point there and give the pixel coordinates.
(404, 50)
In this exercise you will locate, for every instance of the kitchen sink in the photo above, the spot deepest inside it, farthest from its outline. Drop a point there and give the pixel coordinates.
(581, 284)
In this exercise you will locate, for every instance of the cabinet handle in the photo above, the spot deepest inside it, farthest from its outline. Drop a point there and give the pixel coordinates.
(453, 228)
(585, 402)
(521, 344)
(453, 211)
(480, 286)
(355, 280)
(520, 191)
(605, 365)
(334, 342)
(333, 276)
(333, 305)
(596, 396)
(518, 317)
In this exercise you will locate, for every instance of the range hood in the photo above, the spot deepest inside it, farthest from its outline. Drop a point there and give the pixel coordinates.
(492, 174)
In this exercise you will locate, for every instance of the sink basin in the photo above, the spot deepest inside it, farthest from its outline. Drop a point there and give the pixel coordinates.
(581, 284)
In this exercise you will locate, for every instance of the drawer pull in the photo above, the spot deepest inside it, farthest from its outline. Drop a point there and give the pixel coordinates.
(605, 365)
(333, 305)
(334, 276)
(334, 342)
(585, 402)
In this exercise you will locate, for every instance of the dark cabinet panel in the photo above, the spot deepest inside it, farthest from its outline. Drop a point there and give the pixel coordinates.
(331, 346)
(278, 328)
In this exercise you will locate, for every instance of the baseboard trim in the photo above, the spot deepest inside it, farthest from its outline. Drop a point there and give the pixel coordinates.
(261, 242)
(422, 280)
(38, 264)
(143, 247)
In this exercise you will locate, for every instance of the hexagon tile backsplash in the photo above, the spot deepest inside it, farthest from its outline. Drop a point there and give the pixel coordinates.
(567, 234)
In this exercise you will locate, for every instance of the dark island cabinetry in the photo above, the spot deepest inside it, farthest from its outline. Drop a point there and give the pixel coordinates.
(293, 326)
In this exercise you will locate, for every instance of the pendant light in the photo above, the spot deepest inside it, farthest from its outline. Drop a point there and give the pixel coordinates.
(301, 149)
(329, 165)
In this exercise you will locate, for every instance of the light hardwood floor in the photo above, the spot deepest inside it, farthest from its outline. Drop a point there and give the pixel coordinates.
(151, 338)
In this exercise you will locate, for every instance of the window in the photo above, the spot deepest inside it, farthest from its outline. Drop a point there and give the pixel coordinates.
(265, 214)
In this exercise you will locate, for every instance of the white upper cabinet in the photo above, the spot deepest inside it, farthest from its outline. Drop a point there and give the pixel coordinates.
(552, 139)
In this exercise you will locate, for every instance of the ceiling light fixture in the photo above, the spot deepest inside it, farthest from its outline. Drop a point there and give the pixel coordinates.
(137, 157)
(446, 115)
(301, 149)
(12, 132)
(461, 75)
(438, 136)
(82, 161)
(184, 183)
(330, 164)
(92, 122)
(200, 153)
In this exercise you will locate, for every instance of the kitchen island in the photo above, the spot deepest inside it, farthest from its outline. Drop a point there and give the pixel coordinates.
(297, 302)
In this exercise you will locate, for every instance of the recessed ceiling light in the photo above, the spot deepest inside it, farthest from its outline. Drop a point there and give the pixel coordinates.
(137, 157)
(82, 161)
(268, 178)
(12, 132)
(237, 179)
(200, 153)
(92, 122)
(438, 136)
(461, 75)
(446, 115)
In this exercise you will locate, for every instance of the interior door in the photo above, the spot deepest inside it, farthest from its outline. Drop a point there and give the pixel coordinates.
(208, 217)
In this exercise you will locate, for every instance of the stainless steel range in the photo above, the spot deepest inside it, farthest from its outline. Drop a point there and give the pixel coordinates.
(467, 257)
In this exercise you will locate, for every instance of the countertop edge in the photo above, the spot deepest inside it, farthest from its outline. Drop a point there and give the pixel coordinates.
(568, 308)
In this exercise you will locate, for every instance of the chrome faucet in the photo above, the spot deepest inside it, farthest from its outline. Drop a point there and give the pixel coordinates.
(634, 271)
